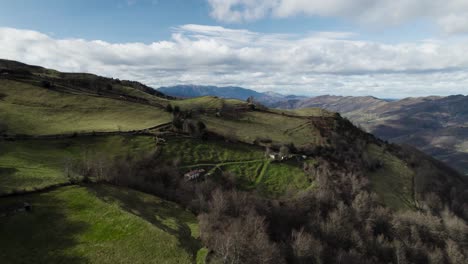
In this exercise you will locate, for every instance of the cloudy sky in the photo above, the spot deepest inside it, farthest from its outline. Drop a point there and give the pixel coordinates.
(385, 48)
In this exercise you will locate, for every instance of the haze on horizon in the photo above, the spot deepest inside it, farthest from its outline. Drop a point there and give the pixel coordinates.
(387, 49)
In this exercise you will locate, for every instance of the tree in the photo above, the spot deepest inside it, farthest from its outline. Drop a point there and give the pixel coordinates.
(46, 84)
(177, 119)
(169, 108)
(228, 110)
(189, 127)
(235, 232)
(305, 248)
(201, 128)
(284, 150)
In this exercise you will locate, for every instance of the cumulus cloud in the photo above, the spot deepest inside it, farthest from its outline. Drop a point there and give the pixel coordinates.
(317, 63)
(449, 15)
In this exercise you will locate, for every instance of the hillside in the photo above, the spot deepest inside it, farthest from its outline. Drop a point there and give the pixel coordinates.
(96, 224)
(64, 107)
(79, 151)
(436, 125)
(340, 104)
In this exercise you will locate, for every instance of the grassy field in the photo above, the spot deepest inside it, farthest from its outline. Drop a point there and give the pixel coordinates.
(317, 112)
(195, 151)
(97, 224)
(281, 177)
(30, 164)
(249, 163)
(394, 181)
(27, 109)
(252, 125)
(205, 102)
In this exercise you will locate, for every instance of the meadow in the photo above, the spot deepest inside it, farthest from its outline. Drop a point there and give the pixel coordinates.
(247, 162)
(97, 224)
(32, 110)
(27, 165)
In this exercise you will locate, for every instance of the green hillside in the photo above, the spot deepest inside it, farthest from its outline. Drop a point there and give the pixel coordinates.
(27, 165)
(76, 103)
(98, 197)
(96, 224)
(249, 163)
(33, 110)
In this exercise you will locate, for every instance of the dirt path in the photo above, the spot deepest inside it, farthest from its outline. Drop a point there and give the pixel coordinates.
(258, 177)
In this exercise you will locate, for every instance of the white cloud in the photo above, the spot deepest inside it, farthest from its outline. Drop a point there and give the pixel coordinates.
(449, 15)
(319, 63)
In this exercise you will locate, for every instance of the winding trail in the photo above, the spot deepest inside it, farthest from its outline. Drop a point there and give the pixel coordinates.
(258, 177)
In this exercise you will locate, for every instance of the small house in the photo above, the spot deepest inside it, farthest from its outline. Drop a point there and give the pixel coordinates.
(194, 174)
(277, 156)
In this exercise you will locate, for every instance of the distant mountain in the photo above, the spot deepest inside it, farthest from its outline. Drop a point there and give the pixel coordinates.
(435, 125)
(342, 104)
(190, 91)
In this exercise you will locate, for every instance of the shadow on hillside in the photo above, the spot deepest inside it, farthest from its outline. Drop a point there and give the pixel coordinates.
(456, 159)
(159, 213)
(419, 139)
(42, 235)
(6, 175)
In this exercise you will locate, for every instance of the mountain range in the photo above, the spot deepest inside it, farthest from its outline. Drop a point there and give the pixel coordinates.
(233, 92)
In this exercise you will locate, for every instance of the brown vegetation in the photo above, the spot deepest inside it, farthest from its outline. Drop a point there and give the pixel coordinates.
(339, 222)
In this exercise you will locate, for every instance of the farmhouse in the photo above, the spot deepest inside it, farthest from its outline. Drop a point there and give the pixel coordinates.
(194, 174)
(277, 156)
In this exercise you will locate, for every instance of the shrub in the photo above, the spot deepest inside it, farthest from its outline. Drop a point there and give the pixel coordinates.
(46, 84)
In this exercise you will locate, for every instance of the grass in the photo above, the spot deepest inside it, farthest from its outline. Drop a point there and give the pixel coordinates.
(394, 181)
(281, 177)
(317, 112)
(246, 162)
(202, 255)
(205, 102)
(248, 172)
(33, 110)
(97, 224)
(253, 125)
(30, 164)
(195, 151)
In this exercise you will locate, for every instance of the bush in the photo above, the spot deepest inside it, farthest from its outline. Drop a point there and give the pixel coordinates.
(46, 84)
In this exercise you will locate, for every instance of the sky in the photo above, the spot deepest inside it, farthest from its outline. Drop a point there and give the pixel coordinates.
(384, 48)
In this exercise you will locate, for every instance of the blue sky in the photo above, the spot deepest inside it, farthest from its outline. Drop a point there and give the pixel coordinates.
(386, 48)
(152, 20)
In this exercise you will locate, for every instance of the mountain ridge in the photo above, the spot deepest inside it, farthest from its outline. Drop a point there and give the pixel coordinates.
(423, 122)
(229, 92)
